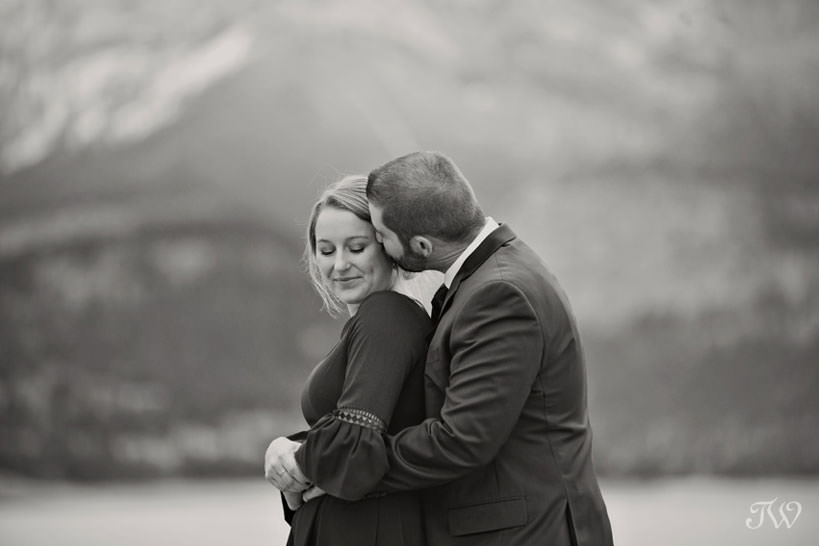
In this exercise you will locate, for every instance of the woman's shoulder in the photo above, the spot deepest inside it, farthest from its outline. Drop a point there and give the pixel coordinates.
(388, 318)
(392, 305)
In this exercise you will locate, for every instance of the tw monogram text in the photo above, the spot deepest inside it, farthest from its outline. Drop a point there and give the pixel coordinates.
(786, 513)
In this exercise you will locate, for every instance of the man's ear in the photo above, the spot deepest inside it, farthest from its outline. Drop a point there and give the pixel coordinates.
(421, 245)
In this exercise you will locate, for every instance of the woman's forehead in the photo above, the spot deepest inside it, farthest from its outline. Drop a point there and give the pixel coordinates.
(339, 224)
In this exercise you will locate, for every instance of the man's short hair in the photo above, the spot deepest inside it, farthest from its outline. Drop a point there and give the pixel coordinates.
(424, 193)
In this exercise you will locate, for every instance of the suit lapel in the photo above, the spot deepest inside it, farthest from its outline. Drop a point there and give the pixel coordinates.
(502, 235)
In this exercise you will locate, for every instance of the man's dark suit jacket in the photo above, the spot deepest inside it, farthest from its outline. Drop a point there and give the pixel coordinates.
(506, 449)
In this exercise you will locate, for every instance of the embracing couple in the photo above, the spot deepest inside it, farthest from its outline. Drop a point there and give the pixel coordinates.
(468, 426)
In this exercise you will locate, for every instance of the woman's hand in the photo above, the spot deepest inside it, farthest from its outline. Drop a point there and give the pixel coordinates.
(280, 467)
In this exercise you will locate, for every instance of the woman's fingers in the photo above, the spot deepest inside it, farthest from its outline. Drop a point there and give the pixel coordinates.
(297, 479)
(280, 467)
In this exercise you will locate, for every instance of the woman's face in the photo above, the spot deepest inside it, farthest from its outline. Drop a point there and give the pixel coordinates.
(351, 262)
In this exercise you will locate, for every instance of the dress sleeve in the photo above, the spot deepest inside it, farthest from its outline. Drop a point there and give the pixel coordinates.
(344, 452)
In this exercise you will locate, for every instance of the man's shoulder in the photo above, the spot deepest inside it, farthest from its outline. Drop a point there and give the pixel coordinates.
(522, 270)
(515, 263)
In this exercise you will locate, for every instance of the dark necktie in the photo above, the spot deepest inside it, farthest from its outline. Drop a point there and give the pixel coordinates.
(438, 303)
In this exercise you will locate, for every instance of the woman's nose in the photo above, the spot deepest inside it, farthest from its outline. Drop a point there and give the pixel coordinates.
(342, 262)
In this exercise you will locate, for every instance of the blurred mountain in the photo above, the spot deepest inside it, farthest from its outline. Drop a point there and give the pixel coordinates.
(157, 164)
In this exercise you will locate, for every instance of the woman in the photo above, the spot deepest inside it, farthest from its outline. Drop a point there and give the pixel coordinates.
(371, 382)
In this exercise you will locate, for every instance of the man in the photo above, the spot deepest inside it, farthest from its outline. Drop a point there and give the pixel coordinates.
(505, 453)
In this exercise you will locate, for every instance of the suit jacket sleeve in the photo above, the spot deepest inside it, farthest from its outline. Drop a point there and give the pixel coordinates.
(497, 347)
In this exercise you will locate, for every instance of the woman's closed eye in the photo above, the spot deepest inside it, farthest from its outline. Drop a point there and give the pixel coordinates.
(356, 249)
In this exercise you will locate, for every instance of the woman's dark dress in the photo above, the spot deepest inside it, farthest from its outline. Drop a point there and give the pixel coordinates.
(371, 383)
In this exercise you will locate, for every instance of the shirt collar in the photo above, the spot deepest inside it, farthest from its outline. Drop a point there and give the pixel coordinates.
(489, 226)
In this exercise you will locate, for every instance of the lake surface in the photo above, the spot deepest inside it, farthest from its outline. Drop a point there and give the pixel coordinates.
(671, 512)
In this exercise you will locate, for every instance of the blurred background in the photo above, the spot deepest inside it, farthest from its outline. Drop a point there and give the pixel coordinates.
(157, 164)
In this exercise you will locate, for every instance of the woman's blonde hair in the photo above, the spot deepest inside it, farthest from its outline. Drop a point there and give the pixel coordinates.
(349, 193)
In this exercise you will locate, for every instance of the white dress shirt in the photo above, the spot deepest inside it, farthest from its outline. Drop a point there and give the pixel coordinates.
(488, 227)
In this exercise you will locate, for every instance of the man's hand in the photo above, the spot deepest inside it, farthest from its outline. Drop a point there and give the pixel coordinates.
(313, 493)
(293, 500)
(280, 466)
